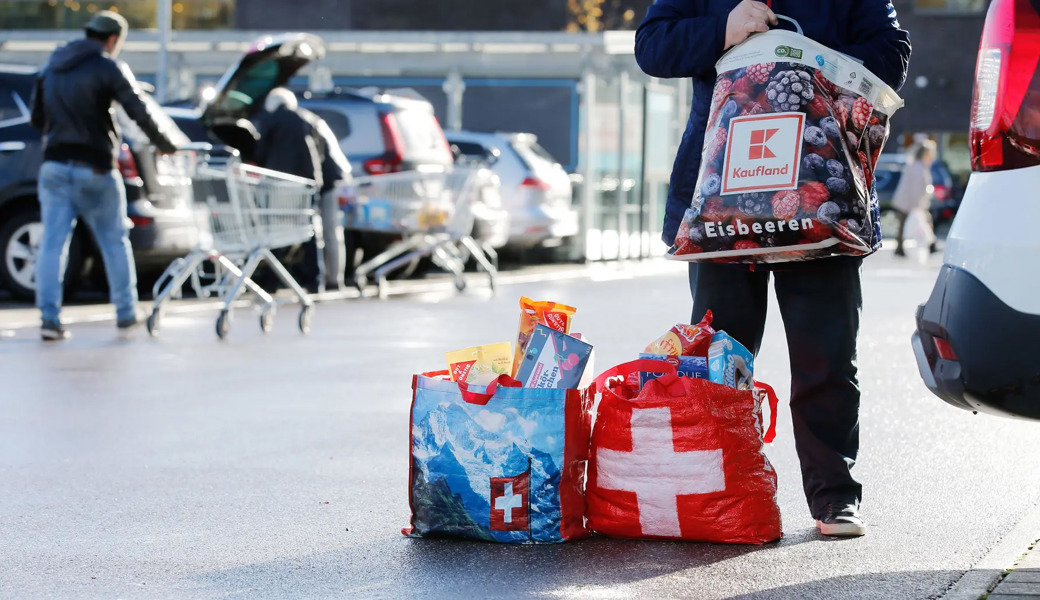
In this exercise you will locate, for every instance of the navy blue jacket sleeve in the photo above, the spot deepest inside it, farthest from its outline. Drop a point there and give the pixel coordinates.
(674, 40)
(876, 38)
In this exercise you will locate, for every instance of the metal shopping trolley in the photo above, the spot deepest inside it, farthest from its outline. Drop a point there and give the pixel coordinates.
(431, 211)
(242, 212)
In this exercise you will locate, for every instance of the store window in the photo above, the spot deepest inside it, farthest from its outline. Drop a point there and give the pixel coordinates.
(72, 14)
(950, 6)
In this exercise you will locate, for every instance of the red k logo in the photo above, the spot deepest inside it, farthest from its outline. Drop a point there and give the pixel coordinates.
(759, 148)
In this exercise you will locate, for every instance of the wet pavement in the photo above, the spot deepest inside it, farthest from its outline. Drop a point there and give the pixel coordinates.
(275, 466)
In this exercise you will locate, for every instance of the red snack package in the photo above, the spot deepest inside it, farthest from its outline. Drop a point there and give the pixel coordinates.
(685, 340)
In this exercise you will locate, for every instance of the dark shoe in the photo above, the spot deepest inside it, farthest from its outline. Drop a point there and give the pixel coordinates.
(127, 327)
(841, 520)
(899, 252)
(52, 331)
(933, 248)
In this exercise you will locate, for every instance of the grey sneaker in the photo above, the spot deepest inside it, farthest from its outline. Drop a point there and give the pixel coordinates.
(841, 520)
(52, 331)
(127, 327)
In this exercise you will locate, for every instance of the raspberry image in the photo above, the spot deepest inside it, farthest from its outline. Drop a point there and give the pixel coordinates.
(685, 246)
(828, 213)
(841, 111)
(752, 108)
(713, 209)
(722, 90)
(786, 204)
(711, 186)
(876, 134)
(684, 230)
(789, 90)
(830, 126)
(745, 245)
(838, 187)
(825, 85)
(815, 136)
(814, 194)
(715, 142)
(817, 108)
(744, 87)
(817, 233)
(760, 73)
(860, 115)
(753, 205)
(835, 168)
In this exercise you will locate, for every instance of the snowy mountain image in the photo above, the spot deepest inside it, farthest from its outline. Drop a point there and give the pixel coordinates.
(457, 448)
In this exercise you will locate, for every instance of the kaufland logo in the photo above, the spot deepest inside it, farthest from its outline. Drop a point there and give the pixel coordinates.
(763, 153)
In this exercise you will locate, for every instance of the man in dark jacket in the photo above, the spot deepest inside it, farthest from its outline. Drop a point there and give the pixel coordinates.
(820, 301)
(72, 107)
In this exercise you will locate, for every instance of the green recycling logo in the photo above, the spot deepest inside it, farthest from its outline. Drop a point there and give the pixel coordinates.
(788, 52)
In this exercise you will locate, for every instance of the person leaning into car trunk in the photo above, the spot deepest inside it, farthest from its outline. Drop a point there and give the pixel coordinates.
(72, 107)
(820, 300)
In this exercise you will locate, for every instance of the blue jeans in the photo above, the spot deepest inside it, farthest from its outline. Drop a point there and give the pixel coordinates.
(68, 191)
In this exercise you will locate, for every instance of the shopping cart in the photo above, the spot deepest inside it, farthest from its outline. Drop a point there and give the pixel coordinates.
(431, 211)
(242, 213)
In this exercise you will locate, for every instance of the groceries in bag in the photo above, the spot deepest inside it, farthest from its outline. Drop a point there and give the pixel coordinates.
(685, 366)
(553, 359)
(794, 133)
(480, 365)
(730, 363)
(551, 314)
(684, 340)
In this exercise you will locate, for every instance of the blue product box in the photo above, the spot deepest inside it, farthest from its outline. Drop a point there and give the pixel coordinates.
(730, 363)
(553, 359)
(686, 366)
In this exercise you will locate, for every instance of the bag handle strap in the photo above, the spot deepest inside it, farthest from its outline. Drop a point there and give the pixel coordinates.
(482, 398)
(635, 366)
(774, 402)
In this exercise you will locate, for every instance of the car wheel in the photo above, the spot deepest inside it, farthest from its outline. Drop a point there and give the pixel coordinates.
(20, 238)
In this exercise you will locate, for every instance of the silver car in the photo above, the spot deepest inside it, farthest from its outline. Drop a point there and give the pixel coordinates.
(536, 191)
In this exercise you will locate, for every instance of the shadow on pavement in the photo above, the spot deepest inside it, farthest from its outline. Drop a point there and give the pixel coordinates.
(907, 585)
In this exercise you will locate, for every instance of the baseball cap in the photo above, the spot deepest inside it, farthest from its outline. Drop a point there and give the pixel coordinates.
(108, 22)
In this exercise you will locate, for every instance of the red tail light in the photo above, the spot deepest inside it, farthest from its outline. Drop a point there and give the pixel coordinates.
(942, 193)
(142, 221)
(943, 348)
(1005, 113)
(534, 182)
(389, 162)
(127, 164)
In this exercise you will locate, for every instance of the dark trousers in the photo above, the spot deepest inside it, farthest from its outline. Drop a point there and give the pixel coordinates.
(820, 304)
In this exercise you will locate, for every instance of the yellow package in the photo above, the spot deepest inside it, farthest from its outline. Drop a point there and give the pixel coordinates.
(552, 315)
(480, 365)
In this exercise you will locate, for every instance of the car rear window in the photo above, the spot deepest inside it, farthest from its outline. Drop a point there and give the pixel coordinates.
(9, 106)
(423, 137)
(365, 136)
(533, 154)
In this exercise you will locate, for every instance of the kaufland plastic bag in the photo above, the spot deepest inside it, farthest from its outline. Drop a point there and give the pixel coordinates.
(681, 459)
(499, 464)
(793, 137)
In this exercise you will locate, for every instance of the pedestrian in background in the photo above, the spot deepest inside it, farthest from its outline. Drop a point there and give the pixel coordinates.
(913, 195)
(820, 300)
(72, 107)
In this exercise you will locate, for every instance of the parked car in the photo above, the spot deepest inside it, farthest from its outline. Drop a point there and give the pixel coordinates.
(978, 336)
(536, 190)
(945, 196)
(158, 197)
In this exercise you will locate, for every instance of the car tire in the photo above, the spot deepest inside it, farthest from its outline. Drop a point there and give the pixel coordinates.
(20, 235)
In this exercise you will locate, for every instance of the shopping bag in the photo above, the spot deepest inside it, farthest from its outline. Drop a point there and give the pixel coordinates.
(500, 464)
(681, 459)
(794, 133)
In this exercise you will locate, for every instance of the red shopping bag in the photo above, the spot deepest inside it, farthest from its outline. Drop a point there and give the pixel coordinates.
(681, 459)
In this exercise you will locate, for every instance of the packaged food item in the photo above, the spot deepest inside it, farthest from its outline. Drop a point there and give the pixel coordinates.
(480, 365)
(730, 363)
(793, 137)
(686, 366)
(684, 340)
(590, 366)
(551, 314)
(553, 359)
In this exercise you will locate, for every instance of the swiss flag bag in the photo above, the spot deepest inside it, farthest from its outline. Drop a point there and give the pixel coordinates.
(794, 133)
(681, 459)
(500, 464)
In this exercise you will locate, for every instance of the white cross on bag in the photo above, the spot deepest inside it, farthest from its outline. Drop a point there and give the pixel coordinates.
(657, 473)
(508, 501)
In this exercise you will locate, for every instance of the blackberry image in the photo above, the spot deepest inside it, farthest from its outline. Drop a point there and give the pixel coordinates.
(789, 90)
(753, 205)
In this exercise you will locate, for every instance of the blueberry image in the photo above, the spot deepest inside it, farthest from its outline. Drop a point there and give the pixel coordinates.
(877, 136)
(835, 168)
(739, 73)
(831, 128)
(815, 136)
(828, 213)
(711, 186)
(838, 187)
(729, 110)
(813, 162)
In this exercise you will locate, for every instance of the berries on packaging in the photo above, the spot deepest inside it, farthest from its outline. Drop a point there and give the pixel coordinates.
(815, 136)
(831, 128)
(716, 142)
(852, 141)
(789, 90)
(817, 233)
(786, 204)
(752, 108)
(711, 186)
(739, 73)
(825, 85)
(685, 246)
(722, 89)
(814, 194)
(828, 213)
(841, 110)
(713, 209)
(817, 108)
(837, 187)
(813, 163)
(860, 114)
(876, 135)
(745, 245)
(835, 168)
(729, 110)
(743, 87)
(760, 73)
(753, 204)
